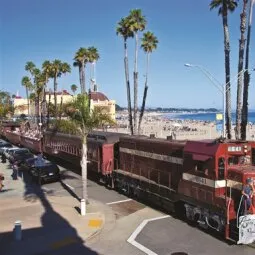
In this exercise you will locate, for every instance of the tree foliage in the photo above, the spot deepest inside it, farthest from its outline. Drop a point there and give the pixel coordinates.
(84, 118)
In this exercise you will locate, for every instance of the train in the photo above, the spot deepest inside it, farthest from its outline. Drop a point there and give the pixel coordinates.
(200, 180)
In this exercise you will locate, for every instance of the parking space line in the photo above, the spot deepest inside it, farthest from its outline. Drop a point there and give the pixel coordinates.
(120, 201)
(132, 238)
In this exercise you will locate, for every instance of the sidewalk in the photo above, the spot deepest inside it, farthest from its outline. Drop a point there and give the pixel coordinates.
(50, 224)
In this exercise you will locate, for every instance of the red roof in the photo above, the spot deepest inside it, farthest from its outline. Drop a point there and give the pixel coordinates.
(203, 147)
(98, 96)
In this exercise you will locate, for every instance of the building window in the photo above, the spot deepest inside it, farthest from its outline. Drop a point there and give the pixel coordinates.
(221, 169)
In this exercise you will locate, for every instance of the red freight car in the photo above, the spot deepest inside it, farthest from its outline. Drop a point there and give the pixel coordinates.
(13, 137)
(32, 143)
(101, 147)
(10, 131)
(202, 179)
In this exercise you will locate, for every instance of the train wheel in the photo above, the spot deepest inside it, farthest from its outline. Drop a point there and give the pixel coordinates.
(112, 183)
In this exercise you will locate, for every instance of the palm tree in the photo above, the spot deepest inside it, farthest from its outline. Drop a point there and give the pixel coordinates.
(26, 82)
(93, 56)
(224, 7)
(85, 120)
(46, 72)
(246, 76)
(57, 69)
(49, 108)
(35, 76)
(38, 89)
(6, 108)
(30, 67)
(240, 68)
(137, 22)
(124, 31)
(80, 60)
(149, 43)
(74, 88)
(41, 80)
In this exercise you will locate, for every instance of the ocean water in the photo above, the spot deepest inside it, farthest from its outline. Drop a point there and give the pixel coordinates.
(206, 116)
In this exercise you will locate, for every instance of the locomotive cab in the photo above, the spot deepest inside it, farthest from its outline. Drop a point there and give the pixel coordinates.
(213, 179)
(236, 161)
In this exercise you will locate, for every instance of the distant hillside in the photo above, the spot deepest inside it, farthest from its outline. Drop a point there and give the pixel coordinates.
(163, 109)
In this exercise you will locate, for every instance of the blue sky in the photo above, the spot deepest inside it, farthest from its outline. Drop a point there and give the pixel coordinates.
(187, 31)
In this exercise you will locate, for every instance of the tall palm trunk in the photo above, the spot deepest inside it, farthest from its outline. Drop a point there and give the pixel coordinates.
(135, 84)
(246, 77)
(128, 88)
(48, 113)
(81, 80)
(28, 110)
(55, 95)
(227, 71)
(144, 94)
(84, 169)
(37, 107)
(91, 79)
(44, 109)
(60, 108)
(240, 68)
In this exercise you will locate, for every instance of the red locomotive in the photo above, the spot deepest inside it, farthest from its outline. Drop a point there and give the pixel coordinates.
(203, 180)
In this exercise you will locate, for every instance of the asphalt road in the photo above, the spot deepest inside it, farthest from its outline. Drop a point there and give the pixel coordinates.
(163, 236)
(170, 236)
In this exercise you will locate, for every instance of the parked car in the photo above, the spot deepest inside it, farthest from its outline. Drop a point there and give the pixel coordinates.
(2, 141)
(11, 153)
(32, 162)
(28, 163)
(45, 173)
(8, 151)
(20, 158)
(4, 146)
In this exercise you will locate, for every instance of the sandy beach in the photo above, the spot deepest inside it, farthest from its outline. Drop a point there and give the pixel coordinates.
(157, 124)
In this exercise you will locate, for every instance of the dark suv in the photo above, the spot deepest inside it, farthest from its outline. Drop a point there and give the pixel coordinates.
(20, 158)
(45, 173)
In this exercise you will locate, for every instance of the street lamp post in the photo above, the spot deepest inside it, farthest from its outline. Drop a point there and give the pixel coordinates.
(219, 86)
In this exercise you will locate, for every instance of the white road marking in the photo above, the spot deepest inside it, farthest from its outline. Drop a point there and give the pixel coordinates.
(120, 201)
(69, 186)
(132, 238)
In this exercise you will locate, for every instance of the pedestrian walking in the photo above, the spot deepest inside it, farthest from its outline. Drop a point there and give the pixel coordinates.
(3, 158)
(15, 171)
(1, 182)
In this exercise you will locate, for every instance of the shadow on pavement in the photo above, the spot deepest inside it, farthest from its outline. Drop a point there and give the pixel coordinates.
(5, 190)
(56, 236)
(179, 253)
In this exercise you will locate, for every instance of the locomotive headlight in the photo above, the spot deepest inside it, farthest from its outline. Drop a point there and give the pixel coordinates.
(245, 150)
(245, 146)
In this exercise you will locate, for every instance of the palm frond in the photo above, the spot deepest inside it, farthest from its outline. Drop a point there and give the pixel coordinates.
(86, 119)
(149, 42)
